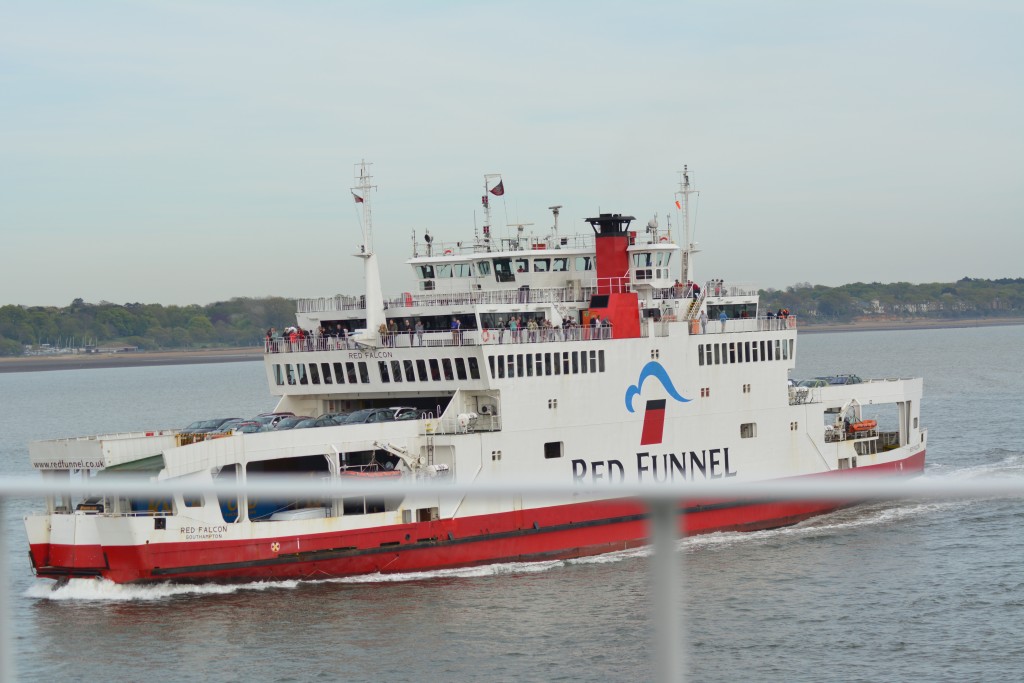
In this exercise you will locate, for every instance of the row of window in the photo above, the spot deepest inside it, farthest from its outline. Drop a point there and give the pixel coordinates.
(423, 370)
(464, 368)
(544, 364)
(744, 352)
(504, 267)
(320, 373)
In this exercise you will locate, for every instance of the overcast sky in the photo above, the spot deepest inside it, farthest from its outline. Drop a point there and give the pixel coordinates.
(176, 152)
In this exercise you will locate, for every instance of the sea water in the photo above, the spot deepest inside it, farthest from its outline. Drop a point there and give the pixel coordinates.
(894, 591)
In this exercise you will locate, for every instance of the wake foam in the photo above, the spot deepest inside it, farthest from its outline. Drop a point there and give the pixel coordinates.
(102, 590)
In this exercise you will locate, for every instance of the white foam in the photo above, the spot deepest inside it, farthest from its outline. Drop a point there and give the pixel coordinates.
(503, 568)
(107, 591)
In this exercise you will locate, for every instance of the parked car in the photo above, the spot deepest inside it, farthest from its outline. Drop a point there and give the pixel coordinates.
(270, 420)
(204, 426)
(812, 383)
(249, 427)
(330, 420)
(228, 427)
(290, 422)
(367, 415)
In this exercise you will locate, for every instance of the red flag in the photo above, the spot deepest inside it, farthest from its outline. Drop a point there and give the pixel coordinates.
(483, 200)
(498, 189)
(679, 204)
(359, 200)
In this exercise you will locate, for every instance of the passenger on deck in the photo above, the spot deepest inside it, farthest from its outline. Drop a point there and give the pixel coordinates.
(419, 333)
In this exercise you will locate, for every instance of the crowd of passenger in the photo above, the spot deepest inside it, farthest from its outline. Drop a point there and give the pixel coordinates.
(515, 329)
(544, 330)
(297, 339)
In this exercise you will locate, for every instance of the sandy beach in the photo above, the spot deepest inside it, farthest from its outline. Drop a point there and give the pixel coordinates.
(127, 360)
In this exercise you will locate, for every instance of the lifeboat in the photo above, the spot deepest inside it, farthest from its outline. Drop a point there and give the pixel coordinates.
(863, 426)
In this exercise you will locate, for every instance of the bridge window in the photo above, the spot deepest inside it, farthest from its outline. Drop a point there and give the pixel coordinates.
(541, 265)
(474, 368)
(503, 270)
(561, 265)
(583, 263)
(483, 268)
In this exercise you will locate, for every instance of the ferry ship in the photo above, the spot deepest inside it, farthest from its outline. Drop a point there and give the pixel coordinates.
(577, 359)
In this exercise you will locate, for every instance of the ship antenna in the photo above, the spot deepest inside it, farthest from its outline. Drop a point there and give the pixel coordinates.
(689, 248)
(498, 190)
(361, 193)
(374, 295)
(554, 229)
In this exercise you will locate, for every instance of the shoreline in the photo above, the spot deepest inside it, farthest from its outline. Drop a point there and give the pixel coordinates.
(150, 358)
(84, 361)
(911, 324)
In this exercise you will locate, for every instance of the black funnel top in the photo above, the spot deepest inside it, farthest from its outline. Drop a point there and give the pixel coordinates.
(610, 224)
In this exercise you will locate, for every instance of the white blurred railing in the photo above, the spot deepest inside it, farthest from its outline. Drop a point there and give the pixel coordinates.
(663, 500)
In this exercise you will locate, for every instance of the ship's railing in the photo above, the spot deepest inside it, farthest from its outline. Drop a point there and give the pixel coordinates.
(718, 288)
(496, 245)
(331, 303)
(804, 395)
(580, 292)
(462, 424)
(835, 433)
(442, 338)
(522, 295)
(762, 324)
(619, 284)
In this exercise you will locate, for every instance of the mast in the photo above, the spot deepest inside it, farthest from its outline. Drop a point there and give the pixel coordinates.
(683, 203)
(498, 190)
(371, 270)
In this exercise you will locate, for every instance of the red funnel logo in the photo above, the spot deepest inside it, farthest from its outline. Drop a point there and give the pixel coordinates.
(654, 422)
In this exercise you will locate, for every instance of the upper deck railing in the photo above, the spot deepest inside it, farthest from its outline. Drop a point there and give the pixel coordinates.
(581, 292)
(523, 335)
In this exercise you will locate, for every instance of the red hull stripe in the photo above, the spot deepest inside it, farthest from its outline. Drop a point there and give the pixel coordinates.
(562, 531)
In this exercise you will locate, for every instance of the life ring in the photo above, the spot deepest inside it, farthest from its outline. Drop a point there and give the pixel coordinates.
(863, 426)
(448, 252)
(663, 239)
(790, 322)
(486, 336)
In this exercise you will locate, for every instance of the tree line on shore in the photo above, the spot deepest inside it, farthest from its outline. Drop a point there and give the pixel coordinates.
(238, 322)
(243, 321)
(967, 298)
